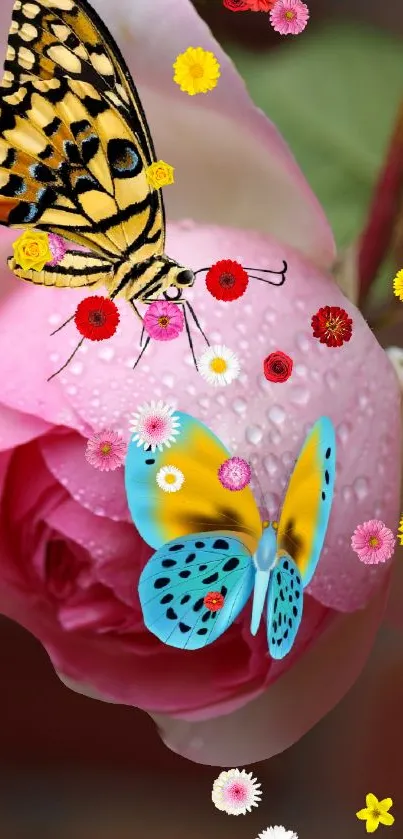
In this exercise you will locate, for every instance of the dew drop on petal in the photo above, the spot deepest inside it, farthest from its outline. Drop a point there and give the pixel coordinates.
(331, 379)
(302, 341)
(347, 494)
(361, 488)
(271, 464)
(300, 370)
(275, 438)
(168, 379)
(343, 431)
(276, 414)
(300, 396)
(239, 405)
(253, 434)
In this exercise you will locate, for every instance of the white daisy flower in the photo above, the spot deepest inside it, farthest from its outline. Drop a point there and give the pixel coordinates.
(154, 425)
(169, 478)
(236, 792)
(219, 365)
(277, 832)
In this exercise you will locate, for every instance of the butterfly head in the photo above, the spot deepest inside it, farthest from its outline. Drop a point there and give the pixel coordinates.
(266, 549)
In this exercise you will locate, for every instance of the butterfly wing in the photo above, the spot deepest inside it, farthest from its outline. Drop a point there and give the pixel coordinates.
(74, 141)
(202, 504)
(284, 606)
(308, 501)
(178, 577)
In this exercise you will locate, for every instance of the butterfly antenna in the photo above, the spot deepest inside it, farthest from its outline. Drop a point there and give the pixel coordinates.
(194, 316)
(190, 337)
(68, 360)
(142, 351)
(62, 326)
(281, 273)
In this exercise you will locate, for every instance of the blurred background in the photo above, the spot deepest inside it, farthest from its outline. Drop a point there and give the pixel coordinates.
(74, 768)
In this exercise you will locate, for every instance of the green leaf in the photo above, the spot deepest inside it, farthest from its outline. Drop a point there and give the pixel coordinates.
(334, 95)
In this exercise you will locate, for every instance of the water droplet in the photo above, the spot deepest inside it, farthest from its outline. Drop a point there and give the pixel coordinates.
(300, 370)
(239, 405)
(54, 319)
(54, 357)
(254, 434)
(106, 353)
(221, 400)
(204, 402)
(331, 379)
(272, 504)
(168, 379)
(361, 488)
(270, 315)
(343, 431)
(300, 305)
(271, 464)
(288, 459)
(300, 395)
(347, 494)
(76, 368)
(95, 403)
(71, 390)
(276, 414)
(302, 341)
(275, 438)
(191, 390)
(363, 399)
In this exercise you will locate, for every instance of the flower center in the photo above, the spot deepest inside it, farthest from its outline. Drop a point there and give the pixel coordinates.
(106, 448)
(163, 321)
(373, 542)
(237, 792)
(227, 280)
(376, 814)
(218, 365)
(196, 71)
(170, 478)
(278, 367)
(290, 15)
(32, 249)
(97, 318)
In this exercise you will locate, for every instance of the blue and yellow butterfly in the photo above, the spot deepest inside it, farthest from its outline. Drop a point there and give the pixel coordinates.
(211, 544)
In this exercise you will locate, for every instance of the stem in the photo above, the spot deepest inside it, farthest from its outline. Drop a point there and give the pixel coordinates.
(378, 233)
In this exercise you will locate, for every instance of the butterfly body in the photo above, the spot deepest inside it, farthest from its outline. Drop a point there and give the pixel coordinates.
(212, 550)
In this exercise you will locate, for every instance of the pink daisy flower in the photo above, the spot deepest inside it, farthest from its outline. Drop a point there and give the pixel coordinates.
(106, 450)
(234, 474)
(154, 426)
(289, 17)
(236, 792)
(58, 247)
(163, 320)
(373, 542)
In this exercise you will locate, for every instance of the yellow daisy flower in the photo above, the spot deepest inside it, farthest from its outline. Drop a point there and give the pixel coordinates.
(398, 285)
(400, 534)
(376, 812)
(196, 71)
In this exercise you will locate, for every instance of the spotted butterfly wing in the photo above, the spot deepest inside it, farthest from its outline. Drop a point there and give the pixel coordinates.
(307, 505)
(284, 607)
(193, 588)
(74, 141)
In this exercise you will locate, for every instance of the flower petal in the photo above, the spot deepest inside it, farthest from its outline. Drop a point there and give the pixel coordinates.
(387, 819)
(372, 824)
(371, 801)
(385, 804)
(362, 814)
(231, 164)
(265, 727)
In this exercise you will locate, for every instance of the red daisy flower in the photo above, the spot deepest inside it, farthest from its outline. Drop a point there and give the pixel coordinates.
(227, 280)
(332, 326)
(277, 367)
(97, 318)
(236, 5)
(214, 601)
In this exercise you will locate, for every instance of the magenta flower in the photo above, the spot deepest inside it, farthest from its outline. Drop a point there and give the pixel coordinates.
(163, 320)
(373, 542)
(289, 17)
(58, 247)
(106, 450)
(234, 473)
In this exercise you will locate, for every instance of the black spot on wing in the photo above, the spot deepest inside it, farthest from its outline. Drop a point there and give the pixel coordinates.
(123, 159)
(161, 582)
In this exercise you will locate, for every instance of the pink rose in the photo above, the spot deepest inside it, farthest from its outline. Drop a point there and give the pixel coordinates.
(71, 557)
